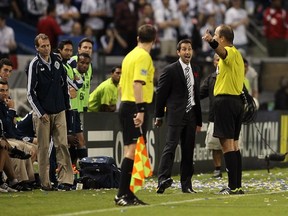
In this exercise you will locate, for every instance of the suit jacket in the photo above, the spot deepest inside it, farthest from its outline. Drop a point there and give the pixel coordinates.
(172, 93)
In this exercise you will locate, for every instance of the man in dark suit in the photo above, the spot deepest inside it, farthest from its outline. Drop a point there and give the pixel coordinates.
(178, 91)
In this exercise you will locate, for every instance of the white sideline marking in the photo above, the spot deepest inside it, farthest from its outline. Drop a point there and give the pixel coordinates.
(119, 208)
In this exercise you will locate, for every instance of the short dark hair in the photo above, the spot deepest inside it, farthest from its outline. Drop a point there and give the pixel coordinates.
(227, 32)
(85, 55)
(147, 33)
(184, 41)
(86, 39)
(114, 68)
(2, 16)
(3, 82)
(5, 61)
(64, 42)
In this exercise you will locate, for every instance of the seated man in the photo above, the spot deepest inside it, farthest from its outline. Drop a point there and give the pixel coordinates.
(23, 168)
(6, 167)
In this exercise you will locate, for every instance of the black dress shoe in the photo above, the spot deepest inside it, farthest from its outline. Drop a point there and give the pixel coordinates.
(163, 185)
(188, 190)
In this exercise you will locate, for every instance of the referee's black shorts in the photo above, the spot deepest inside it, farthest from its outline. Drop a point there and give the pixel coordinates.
(127, 111)
(228, 113)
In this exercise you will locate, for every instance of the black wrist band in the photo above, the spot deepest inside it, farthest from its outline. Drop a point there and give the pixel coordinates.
(213, 44)
(141, 107)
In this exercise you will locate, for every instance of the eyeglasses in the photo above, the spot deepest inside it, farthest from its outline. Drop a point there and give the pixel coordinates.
(4, 90)
(118, 73)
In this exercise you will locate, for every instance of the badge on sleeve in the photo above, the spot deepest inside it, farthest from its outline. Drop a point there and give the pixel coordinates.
(143, 72)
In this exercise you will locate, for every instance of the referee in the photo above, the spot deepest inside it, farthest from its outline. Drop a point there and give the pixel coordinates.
(228, 106)
(136, 85)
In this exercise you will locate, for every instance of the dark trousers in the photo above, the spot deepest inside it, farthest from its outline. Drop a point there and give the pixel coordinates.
(185, 133)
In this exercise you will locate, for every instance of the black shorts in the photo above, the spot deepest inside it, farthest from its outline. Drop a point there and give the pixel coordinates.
(228, 113)
(74, 124)
(127, 112)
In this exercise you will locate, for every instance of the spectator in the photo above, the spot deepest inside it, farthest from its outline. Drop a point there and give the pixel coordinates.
(66, 15)
(7, 39)
(76, 29)
(186, 20)
(49, 26)
(104, 98)
(215, 8)
(126, 20)
(252, 77)
(275, 22)
(88, 33)
(238, 19)
(93, 13)
(207, 51)
(112, 43)
(49, 104)
(33, 10)
(167, 19)
(7, 5)
(147, 17)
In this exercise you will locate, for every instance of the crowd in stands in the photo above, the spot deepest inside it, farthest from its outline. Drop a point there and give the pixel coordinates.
(112, 24)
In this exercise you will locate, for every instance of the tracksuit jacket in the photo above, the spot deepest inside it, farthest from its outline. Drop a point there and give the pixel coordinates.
(47, 89)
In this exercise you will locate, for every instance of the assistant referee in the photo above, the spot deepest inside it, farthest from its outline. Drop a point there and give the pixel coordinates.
(136, 86)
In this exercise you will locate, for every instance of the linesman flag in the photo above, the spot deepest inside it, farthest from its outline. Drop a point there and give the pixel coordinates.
(141, 167)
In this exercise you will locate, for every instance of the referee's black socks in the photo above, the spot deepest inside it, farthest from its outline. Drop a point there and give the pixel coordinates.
(239, 169)
(231, 161)
(126, 173)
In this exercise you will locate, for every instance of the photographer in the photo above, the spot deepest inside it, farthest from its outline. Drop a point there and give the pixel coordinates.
(112, 43)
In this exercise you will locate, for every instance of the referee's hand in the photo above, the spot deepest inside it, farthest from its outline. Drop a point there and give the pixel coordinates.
(207, 36)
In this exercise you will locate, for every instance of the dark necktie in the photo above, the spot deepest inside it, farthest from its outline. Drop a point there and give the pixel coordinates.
(189, 87)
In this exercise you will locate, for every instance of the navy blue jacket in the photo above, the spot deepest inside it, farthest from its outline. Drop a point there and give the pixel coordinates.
(8, 128)
(47, 89)
(25, 128)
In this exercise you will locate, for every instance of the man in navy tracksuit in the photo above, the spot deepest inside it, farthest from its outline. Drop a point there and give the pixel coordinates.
(48, 96)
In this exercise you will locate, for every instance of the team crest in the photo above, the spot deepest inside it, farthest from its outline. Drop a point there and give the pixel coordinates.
(57, 65)
(143, 72)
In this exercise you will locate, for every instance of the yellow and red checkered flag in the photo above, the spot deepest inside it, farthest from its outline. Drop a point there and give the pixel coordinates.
(141, 167)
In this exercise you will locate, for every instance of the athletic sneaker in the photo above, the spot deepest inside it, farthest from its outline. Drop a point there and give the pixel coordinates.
(123, 201)
(228, 191)
(44, 188)
(217, 174)
(137, 201)
(3, 190)
(5, 186)
(128, 201)
(64, 187)
(21, 186)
